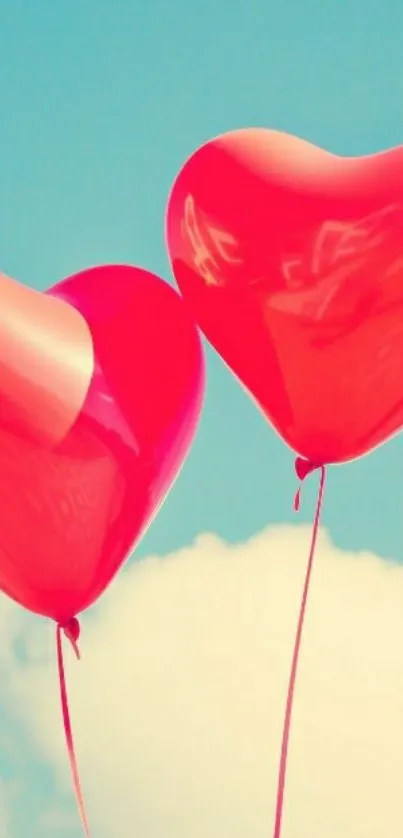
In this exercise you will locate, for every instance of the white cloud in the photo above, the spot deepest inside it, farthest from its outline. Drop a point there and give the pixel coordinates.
(178, 702)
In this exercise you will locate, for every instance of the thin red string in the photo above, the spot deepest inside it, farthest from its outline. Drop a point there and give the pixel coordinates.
(72, 632)
(303, 468)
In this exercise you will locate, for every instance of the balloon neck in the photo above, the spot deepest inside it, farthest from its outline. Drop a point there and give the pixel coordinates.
(71, 630)
(302, 469)
(305, 467)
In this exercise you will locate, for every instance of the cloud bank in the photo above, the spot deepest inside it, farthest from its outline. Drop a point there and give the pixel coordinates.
(178, 702)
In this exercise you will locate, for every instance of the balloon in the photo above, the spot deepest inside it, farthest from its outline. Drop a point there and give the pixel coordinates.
(101, 386)
(292, 259)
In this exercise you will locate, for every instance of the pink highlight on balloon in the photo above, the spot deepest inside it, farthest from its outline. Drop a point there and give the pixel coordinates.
(46, 363)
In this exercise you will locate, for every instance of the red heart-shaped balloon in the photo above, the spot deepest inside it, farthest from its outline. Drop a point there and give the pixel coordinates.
(292, 259)
(101, 384)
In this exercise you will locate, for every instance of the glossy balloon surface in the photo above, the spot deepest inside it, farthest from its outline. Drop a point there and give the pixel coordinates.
(292, 260)
(100, 399)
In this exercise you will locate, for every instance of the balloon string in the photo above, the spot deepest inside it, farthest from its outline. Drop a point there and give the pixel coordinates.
(72, 631)
(303, 469)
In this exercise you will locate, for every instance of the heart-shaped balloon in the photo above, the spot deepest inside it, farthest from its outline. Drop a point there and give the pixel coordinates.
(292, 259)
(101, 385)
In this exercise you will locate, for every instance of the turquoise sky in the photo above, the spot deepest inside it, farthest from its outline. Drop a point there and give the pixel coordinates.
(101, 102)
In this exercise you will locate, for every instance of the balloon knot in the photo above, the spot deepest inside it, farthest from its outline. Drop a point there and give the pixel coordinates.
(303, 468)
(72, 630)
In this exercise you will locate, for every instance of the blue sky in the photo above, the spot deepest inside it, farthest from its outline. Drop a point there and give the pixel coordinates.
(101, 103)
